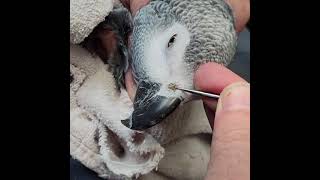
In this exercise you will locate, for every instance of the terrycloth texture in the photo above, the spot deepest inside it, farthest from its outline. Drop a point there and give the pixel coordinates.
(97, 108)
(85, 15)
(97, 137)
(96, 111)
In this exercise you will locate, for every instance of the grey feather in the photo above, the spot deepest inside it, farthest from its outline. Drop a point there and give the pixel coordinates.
(210, 22)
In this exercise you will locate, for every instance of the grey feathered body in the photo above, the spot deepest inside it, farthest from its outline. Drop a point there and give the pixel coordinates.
(210, 22)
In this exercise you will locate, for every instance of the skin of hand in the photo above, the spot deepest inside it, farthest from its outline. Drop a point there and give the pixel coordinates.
(230, 150)
(241, 9)
(134, 5)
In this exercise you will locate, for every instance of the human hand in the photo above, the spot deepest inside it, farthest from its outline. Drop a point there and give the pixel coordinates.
(230, 149)
(134, 5)
(241, 9)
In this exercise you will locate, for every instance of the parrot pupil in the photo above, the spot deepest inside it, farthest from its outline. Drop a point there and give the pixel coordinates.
(172, 39)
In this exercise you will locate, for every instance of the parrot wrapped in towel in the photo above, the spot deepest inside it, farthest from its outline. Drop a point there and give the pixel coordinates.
(170, 39)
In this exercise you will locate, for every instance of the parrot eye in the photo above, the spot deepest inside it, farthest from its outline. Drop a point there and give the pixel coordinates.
(172, 39)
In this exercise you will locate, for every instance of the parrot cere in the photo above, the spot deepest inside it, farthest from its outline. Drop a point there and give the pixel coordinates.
(170, 39)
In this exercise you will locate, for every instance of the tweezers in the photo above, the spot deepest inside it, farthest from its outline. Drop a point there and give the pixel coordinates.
(200, 93)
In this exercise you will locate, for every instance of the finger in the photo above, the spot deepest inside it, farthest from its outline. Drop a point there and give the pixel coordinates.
(230, 150)
(130, 84)
(241, 11)
(213, 77)
(136, 5)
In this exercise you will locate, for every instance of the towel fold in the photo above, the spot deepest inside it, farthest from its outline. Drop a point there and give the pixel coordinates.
(96, 131)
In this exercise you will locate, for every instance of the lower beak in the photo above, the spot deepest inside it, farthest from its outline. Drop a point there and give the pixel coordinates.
(149, 108)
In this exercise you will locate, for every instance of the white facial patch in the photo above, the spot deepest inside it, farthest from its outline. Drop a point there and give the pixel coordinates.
(165, 64)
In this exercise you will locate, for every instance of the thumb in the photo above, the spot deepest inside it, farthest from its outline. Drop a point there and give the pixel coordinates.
(235, 97)
(230, 150)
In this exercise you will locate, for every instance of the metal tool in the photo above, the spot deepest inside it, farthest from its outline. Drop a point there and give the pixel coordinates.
(200, 93)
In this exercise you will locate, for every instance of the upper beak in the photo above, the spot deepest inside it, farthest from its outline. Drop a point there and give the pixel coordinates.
(150, 108)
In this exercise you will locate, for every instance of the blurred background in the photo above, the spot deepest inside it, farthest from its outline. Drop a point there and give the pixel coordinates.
(241, 64)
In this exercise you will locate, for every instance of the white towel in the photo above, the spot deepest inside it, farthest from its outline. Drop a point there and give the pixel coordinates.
(85, 15)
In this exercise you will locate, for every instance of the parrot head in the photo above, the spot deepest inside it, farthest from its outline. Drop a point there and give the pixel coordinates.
(170, 39)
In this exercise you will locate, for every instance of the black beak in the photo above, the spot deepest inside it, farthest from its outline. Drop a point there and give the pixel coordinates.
(149, 108)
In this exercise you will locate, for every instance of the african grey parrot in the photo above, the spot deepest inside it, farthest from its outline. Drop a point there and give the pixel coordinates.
(170, 39)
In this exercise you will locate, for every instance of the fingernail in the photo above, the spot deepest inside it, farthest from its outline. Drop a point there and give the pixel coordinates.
(234, 97)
